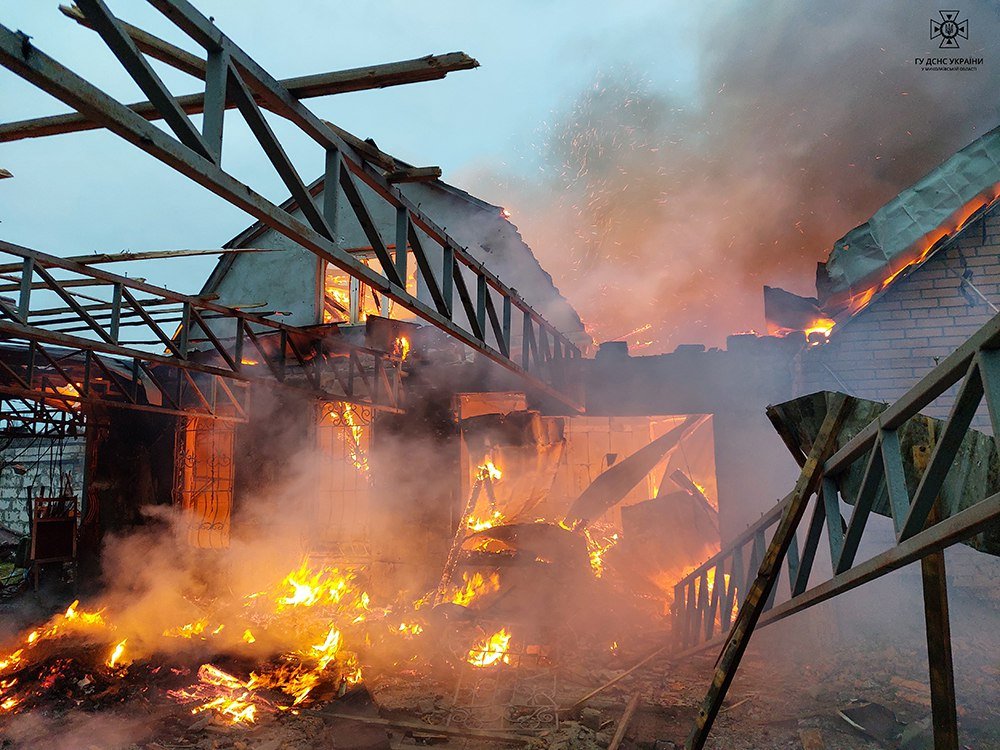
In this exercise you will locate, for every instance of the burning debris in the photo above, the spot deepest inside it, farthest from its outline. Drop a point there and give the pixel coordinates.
(248, 647)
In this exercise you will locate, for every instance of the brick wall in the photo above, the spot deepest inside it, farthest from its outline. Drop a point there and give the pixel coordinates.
(43, 461)
(884, 350)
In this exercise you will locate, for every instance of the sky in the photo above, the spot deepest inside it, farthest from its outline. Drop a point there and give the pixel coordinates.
(663, 159)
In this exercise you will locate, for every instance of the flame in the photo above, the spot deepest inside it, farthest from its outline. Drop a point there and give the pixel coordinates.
(312, 607)
(491, 651)
(927, 245)
(474, 586)
(248, 361)
(343, 415)
(596, 549)
(189, 631)
(309, 587)
(401, 347)
(71, 621)
(711, 587)
(71, 390)
(227, 696)
(87, 618)
(820, 325)
(488, 470)
(299, 680)
(480, 524)
(115, 660)
(12, 660)
(338, 297)
(410, 630)
(356, 432)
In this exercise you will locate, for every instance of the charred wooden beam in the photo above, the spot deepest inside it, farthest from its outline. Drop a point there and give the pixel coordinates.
(100, 258)
(414, 174)
(153, 46)
(21, 57)
(105, 320)
(427, 68)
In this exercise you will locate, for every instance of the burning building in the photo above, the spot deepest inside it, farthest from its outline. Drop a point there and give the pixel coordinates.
(372, 459)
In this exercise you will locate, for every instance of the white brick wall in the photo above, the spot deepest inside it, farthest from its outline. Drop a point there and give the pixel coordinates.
(45, 461)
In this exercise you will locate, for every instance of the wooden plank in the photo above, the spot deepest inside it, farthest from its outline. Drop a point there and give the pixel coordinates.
(420, 727)
(216, 99)
(937, 621)
(122, 46)
(427, 68)
(895, 478)
(413, 174)
(966, 403)
(276, 153)
(863, 504)
(153, 46)
(370, 228)
(801, 579)
(623, 722)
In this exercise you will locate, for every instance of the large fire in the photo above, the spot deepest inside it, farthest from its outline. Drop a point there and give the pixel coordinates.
(311, 606)
(301, 633)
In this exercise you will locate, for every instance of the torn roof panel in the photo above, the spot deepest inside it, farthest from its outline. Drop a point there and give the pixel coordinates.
(910, 228)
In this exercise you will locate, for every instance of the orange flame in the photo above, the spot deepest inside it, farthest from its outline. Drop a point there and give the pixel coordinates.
(117, 656)
(189, 631)
(820, 325)
(401, 347)
(596, 549)
(491, 651)
(926, 246)
(475, 585)
(489, 470)
(481, 524)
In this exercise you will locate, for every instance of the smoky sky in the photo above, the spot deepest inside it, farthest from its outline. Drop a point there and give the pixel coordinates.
(661, 215)
(663, 159)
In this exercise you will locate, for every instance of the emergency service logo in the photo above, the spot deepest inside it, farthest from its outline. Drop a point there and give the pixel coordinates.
(949, 29)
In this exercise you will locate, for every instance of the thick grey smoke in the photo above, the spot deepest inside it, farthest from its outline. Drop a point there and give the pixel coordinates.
(661, 218)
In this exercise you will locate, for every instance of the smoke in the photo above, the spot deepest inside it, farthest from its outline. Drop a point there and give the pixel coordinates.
(76, 731)
(661, 215)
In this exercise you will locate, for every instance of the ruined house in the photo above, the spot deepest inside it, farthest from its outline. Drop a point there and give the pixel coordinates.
(379, 380)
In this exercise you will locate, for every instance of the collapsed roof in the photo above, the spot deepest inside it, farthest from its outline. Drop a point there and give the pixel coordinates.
(901, 235)
(287, 278)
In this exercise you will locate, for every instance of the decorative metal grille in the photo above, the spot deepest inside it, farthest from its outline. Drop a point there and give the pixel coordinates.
(517, 692)
(341, 504)
(203, 488)
(505, 698)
